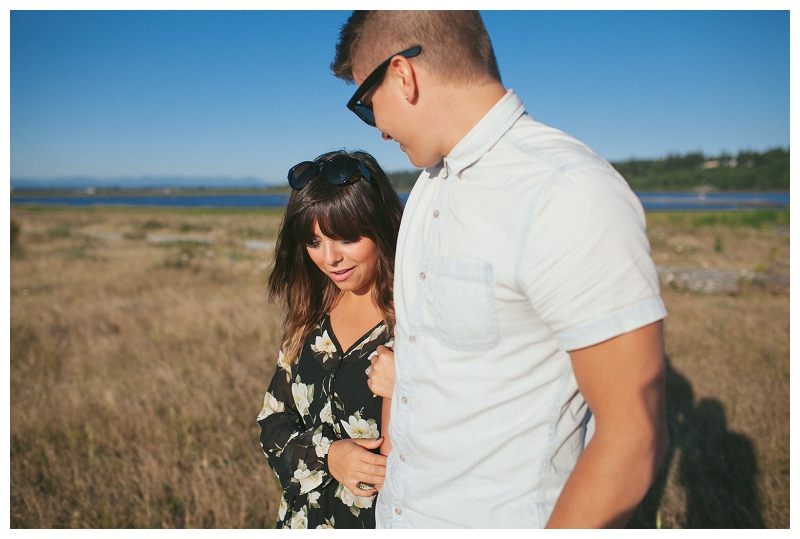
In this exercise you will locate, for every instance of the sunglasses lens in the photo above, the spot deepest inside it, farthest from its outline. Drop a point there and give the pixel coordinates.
(301, 174)
(366, 114)
(364, 172)
(338, 170)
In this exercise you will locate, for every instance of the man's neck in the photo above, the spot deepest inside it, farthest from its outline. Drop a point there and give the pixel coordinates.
(461, 108)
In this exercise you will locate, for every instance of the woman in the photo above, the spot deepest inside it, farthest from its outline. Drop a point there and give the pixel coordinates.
(321, 424)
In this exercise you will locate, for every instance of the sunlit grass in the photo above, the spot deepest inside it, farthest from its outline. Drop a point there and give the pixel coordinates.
(137, 369)
(731, 219)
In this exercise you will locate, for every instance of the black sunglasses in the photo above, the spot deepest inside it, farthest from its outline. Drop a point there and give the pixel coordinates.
(365, 111)
(339, 170)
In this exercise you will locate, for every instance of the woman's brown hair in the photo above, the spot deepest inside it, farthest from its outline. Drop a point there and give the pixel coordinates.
(347, 212)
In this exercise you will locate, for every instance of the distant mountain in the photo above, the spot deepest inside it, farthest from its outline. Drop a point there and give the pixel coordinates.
(402, 181)
(142, 182)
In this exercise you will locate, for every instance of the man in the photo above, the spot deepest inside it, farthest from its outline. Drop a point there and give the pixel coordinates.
(525, 296)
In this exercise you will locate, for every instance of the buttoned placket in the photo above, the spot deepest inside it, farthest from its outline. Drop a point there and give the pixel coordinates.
(415, 323)
(331, 392)
(423, 244)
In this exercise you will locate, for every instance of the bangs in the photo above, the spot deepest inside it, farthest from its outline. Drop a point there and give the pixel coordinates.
(345, 216)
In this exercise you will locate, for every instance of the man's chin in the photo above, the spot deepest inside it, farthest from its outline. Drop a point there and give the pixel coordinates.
(422, 161)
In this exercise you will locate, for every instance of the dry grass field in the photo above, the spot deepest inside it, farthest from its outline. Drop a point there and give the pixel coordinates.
(137, 369)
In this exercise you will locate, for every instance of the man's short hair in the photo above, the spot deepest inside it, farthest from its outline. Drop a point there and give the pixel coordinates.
(455, 44)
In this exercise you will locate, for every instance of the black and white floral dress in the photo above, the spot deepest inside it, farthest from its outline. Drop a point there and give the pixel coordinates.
(311, 403)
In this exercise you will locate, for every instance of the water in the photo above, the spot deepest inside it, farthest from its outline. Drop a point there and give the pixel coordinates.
(667, 201)
(653, 201)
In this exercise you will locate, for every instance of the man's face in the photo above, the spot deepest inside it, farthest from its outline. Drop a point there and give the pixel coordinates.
(400, 121)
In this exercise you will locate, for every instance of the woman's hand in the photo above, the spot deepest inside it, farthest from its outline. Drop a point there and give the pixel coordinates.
(381, 373)
(350, 462)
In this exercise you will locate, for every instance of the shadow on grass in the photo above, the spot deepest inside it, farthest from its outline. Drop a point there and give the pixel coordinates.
(716, 468)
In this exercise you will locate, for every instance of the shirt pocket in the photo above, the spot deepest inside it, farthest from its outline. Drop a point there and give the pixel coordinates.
(464, 310)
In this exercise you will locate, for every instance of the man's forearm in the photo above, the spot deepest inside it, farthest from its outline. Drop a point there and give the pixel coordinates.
(610, 478)
(622, 380)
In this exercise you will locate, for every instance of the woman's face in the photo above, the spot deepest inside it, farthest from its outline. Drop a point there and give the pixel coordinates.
(351, 265)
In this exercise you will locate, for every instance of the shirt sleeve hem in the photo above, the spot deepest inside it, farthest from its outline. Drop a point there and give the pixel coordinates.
(619, 323)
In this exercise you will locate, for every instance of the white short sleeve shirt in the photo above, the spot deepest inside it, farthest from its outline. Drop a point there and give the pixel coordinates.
(521, 245)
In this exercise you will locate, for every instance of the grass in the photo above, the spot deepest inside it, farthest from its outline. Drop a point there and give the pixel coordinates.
(747, 241)
(137, 370)
(136, 376)
(727, 412)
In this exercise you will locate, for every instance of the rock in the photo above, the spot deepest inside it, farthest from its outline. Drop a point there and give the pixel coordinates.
(158, 238)
(260, 245)
(708, 281)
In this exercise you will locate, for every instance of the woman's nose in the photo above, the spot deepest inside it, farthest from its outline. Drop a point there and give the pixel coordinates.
(332, 254)
(385, 136)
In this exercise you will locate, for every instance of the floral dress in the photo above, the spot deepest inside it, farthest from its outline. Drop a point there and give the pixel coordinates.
(311, 403)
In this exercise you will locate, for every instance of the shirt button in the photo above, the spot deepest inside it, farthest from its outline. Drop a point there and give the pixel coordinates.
(402, 458)
(398, 510)
(435, 213)
(404, 400)
(422, 275)
(412, 339)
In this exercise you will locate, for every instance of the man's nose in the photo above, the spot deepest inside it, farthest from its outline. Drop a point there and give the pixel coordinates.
(384, 136)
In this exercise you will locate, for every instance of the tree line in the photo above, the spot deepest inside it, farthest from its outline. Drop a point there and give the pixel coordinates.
(745, 171)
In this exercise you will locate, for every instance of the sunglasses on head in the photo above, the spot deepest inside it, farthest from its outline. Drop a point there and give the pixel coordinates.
(365, 111)
(339, 170)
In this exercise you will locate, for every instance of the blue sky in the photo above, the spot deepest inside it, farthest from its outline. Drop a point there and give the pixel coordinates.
(249, 93)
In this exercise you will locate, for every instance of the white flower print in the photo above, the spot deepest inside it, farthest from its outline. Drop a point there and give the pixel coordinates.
(324, 345)
(308, 479)
(376, 332)
(282, 509)
(372, 336)
(326, 416)
(292, 436)
(355, 503)
(303, 396)
(361, 428)
(321, 444)
(321, 418)
(329, 524)
(286, 364)
(300, 520)
(271, 406)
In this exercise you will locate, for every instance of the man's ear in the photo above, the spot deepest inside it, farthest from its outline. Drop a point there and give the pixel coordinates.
(403, 76)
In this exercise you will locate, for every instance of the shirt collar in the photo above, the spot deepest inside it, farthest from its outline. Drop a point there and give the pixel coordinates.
(485, 133)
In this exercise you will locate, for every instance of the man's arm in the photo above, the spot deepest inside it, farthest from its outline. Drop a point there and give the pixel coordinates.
(622, 380)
